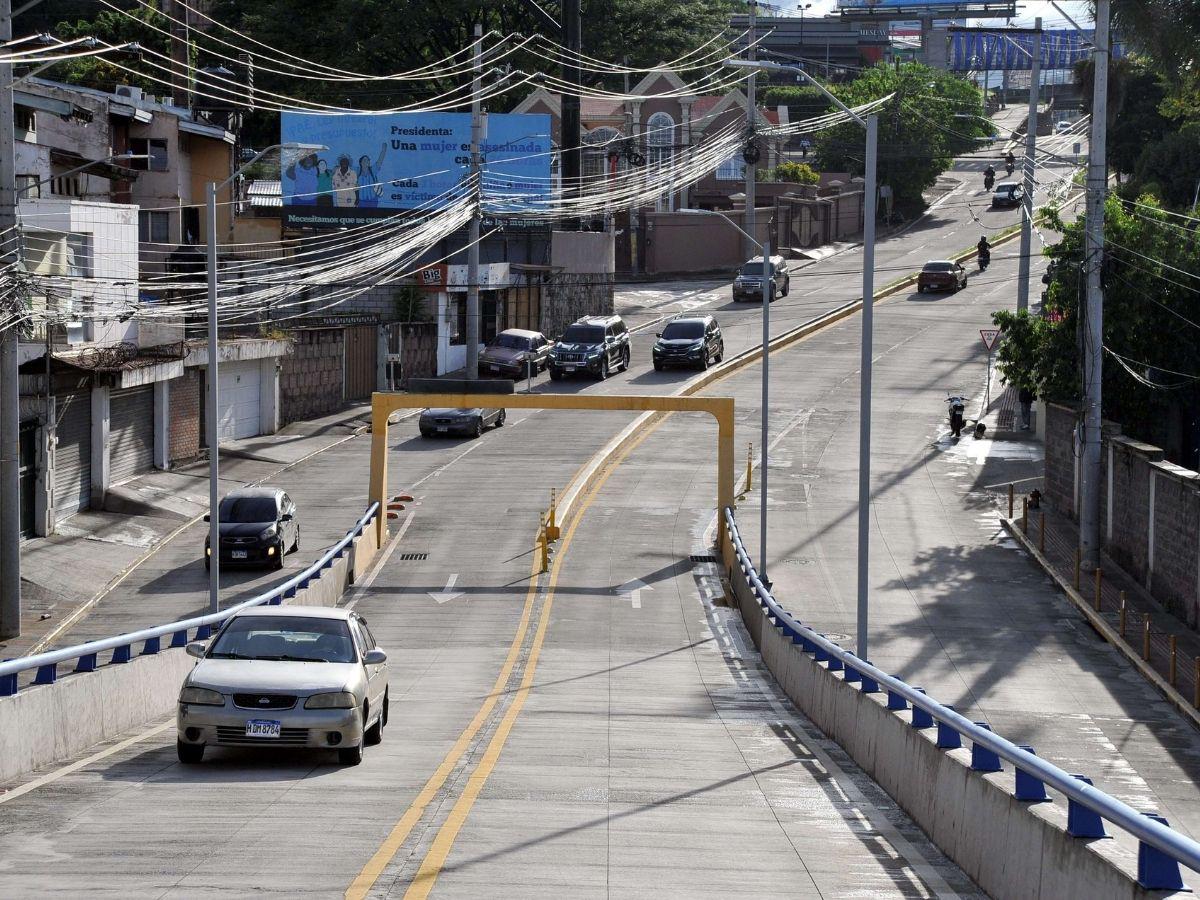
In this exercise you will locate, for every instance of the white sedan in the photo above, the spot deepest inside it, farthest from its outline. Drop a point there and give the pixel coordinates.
(285, 676)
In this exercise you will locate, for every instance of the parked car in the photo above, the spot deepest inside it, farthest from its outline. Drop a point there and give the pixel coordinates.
(257, 526)
(1062, 126)
(748, 284)
(693, 341)
(514, 353)
(595, 344)
(285, 677)
(1008, 194)
(941, 275)
(469, 422)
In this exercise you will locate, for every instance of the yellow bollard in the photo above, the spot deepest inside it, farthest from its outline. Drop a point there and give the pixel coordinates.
(1025, 515)
(552, 529)
(749, 466)
(1171, 679)
(1010, 501)
(1042, 532)
(543, 544)
(1146, 636)
(1096, 594)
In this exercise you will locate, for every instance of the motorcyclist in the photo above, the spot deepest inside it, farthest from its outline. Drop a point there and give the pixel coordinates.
(989, 176)
(985, 252)
(1010, 162)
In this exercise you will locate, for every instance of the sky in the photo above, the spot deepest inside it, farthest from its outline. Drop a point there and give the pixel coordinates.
(1026, 11)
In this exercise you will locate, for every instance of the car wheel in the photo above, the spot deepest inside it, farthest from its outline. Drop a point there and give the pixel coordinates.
(772, 294)
(278, 564)
(374, 734)
(189, 754)
(603, 368)
(426, 433)
(920, 288)
(386, 707)
(721, 352)
(625, 360)
(296, 542)
(555, 374)
(704, 361)
(787, 287)
(350, 756)
(478, 431)
(500, 419)
(658, 367)
(207, 563)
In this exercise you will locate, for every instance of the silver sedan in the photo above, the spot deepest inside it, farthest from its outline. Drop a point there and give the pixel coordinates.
(285, 676)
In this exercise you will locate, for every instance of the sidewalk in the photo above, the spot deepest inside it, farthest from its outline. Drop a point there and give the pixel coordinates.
(1160, 646)
(65, 574)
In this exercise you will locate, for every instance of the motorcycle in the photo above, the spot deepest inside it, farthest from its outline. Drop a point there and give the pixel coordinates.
(1009, 167)
(988, 181)
(985, 260)
(957, 407)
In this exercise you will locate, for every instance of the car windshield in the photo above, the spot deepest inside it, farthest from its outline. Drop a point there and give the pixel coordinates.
(683, 330)
(754, 268)
(583, 334)
(301, 638)
(510, 341)
(939, 267)
(248, 509)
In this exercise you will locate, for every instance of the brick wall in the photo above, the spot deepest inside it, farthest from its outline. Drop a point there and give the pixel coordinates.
(418, 343)
(184, 409)
(311, 380)
(1173, 579)
(1060, 459)
(1128, 544)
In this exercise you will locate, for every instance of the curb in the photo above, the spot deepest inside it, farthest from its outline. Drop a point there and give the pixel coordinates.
(1100, 625)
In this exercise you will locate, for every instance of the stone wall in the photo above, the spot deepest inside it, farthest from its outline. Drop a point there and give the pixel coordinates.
(417, 342)
(567, 297)
(184, 423)
(311, 381)
(1150, 510)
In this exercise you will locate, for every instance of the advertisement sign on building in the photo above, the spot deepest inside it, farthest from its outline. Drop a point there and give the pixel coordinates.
(378, 165)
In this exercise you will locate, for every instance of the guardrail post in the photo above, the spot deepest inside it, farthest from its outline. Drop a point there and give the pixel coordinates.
(151, 647)
(1146, 636)
(1042, 532)
(552, 529)
(86, 663)
(895, 701)
(1081, 821)
(179, 638)
(1171, 679)
(1099, 578)
(947, 737)
(820, 654)
(1011, 493)
(983, 759)
(920, 718)
(834, 664)
(120, 654)
(203, 633)
(47, 674)
(851, 675)
(1156, 870)
(543, 545)
(869, 684)
(1029, 789)
(8, 684)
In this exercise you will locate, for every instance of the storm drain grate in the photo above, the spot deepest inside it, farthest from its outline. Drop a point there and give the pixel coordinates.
(413, 557)
(703, 559)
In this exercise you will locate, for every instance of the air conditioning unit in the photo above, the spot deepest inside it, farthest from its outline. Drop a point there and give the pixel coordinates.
(76, 333)
(133, 93)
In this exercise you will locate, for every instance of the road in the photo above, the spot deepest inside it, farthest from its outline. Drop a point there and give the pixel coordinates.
(603, 730)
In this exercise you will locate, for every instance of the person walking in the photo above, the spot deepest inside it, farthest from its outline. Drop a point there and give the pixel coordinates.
(1025, 398)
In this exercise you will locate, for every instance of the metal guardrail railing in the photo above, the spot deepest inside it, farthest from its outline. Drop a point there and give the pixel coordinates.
(122, 645)
(1162, 849)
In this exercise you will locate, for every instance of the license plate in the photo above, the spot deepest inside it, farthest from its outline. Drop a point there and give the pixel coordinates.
(568, 368)
(238, 554)
(443, 427)
(262, 728)
(495, 368)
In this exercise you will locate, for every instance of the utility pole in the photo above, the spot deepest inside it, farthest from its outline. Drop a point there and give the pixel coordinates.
(10, 412)
(1093, 322)
(1035, 80)
(570, 137)
(864, 398)
(476, 212)
(748, 220)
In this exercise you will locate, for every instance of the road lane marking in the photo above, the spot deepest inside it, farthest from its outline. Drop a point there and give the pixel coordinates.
(49, 777)
(449, 593)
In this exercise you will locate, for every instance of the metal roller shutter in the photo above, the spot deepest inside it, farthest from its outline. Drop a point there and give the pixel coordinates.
(73, 454)
(130, 432)
(239, 401)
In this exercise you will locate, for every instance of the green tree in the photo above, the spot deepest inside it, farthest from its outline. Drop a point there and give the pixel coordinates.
(802, 102)
(796, 173)
(919, 131)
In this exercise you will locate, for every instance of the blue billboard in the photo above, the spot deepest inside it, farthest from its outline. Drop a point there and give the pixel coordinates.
(379, 164)
(1061, 49)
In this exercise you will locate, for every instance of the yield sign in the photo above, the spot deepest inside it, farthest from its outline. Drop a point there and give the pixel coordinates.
(989, 336)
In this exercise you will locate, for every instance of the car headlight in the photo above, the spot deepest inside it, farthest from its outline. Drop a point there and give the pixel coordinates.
(331, 700)
(593, 353)
(268, 532)
(201, 696)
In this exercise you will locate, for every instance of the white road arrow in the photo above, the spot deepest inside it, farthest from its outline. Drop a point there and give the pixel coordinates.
(449, 593)
(633, 590)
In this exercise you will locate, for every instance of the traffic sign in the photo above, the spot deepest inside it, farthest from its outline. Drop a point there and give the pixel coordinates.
(989, 336)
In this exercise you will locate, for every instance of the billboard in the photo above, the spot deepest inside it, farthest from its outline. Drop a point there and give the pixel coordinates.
(973, 51)
(378, 165)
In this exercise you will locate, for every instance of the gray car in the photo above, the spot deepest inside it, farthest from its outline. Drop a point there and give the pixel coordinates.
(285, 677)
(463, 422)
(515, 353)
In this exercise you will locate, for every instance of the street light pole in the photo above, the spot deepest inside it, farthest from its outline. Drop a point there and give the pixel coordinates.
(765, 427)
(473, 323)
(10, 400)
(864, 396)
(1035, 79)
(751, 167)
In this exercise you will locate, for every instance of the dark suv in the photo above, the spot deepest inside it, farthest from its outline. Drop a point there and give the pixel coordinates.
(693, 341)
(748, 285)
(597, 345)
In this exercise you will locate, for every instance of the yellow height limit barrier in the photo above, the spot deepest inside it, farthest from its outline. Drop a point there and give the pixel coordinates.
(552, 529)
(384, 404)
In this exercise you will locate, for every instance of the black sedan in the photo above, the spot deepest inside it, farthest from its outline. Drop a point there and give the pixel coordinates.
(941, 275)
(468, 422)
(257, 526)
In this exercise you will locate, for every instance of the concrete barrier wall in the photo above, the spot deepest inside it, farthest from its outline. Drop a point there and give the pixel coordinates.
(1009, 848)
(44, 724)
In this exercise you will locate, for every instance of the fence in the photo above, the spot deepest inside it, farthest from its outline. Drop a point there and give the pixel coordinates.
(962, 833)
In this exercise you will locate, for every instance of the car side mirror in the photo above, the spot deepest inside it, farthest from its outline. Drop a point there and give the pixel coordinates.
(658, 334)
(374, 657)
(206, 518)
(286, 517)
(196, 649)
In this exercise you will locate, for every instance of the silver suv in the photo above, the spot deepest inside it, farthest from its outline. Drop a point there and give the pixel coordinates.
(748, 285)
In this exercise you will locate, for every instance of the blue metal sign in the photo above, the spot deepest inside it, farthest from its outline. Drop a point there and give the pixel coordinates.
(379, 164)
(975, 51)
